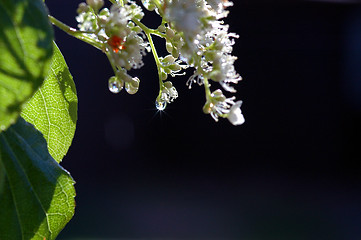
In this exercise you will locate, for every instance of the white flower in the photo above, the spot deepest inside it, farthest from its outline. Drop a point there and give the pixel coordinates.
(186, 16)
(87, 21)
(124, 45)
(117, 22)
(220, 63)
(218, 105)
(218, 6)
(235, 115)
(169, 93)
(229, 74)
(208, 44)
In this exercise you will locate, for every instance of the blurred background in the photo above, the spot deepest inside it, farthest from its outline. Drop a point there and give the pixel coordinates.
(292, 171)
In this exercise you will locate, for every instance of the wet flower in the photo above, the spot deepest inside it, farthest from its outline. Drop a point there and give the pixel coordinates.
(169, 92)
(127, 53)
(208, 45)
(125, 47)
(195, 37)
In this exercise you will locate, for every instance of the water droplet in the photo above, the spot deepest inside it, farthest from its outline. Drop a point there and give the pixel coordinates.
(160, 105)
(146, 3)
(133, 86)
(115, 86)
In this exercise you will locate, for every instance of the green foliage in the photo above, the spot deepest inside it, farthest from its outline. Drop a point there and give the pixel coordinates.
(36, 194)
(53, 108)
(25, 54)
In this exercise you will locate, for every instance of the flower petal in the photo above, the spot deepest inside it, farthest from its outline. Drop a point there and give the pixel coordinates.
(235, 115)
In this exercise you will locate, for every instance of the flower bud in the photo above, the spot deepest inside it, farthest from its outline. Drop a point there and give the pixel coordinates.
(177, 37)
(163, 76)
(148, 5)
(175, 67)
(83, 7)
(217, 93)
(104, 12)
(169, 59)
(175, 52)
(169, 47)
(170, 33)
(161, 28)
(95, 4)
(218, 96)
(137, 29)
(167, 70)
(168, 84)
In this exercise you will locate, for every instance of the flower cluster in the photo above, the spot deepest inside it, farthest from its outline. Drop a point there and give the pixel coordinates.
(207, 46)
(118, 36)
(195, 37)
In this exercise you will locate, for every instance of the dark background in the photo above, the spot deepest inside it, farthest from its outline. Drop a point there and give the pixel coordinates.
(292, 171)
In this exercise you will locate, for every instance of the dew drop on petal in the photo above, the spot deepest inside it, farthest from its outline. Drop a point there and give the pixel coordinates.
(146, 3)
(132, 87)
(115, 86)
(160, 105)
(129, 89)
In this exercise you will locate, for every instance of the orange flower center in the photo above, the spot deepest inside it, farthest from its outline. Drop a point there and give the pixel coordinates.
(116, 43)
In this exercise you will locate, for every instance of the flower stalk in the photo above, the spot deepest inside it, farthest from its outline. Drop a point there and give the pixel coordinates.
(81, 35)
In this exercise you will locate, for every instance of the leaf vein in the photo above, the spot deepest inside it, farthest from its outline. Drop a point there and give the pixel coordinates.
(28, 180)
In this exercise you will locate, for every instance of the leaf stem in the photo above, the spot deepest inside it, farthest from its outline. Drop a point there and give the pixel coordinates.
(81, 35)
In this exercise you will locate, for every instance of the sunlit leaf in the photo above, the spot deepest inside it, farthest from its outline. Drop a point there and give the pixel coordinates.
(36, 193)
(25, 54)
(53, 108)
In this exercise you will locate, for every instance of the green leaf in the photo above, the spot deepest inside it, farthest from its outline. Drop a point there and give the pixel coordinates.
(36, 193)
(53, 108)
(25, 54)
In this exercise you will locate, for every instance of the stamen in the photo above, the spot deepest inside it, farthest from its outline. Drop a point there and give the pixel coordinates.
(116, 43)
